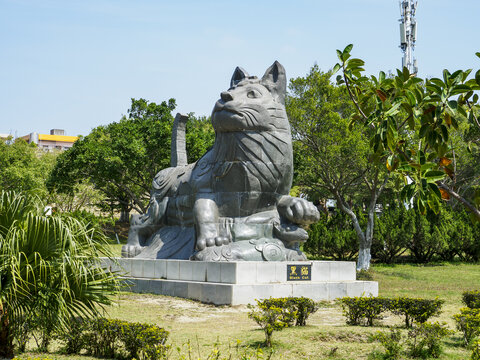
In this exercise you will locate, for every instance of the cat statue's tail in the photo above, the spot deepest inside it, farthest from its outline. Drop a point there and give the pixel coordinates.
(179, 150)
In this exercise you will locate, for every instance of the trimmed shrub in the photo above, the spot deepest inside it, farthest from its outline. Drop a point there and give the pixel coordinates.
(108, 338)
(143, 341)
(471, 299)
(468, 322)
(425, 340)
(415, 309)
(391, 342)
(363, 310)
(303, 307)
(271, 317)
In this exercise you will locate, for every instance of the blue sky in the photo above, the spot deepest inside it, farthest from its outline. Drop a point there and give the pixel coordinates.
(75, 64)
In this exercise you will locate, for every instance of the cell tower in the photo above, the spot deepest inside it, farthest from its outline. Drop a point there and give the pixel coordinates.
(408, 34)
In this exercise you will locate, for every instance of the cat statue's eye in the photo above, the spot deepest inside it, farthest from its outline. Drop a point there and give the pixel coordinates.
(252, 94)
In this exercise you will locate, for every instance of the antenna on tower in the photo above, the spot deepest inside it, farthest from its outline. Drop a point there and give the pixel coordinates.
(408, 34)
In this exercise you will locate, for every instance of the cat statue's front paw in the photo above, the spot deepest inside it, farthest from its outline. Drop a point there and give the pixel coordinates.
(298, 210)
(209, 242)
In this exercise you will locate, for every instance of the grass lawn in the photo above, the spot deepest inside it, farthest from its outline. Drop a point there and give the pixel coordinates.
(326, 335)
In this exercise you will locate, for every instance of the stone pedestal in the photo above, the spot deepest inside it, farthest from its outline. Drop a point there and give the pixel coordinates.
(234, 283)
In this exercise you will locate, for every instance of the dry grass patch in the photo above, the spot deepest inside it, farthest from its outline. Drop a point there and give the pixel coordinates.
(326, 336)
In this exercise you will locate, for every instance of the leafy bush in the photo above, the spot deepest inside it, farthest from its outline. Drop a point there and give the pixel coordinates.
(109, 338)
(100, 337)
(143, 341)
(393, 230)
(363, 310)
(430, 236)
(424, 340)
(471, 299)
(448, 234)
(73, 339)
(465, 239)
(333, 237)
(304, 307)
(391, 342)
(476, 351)
(415, 309)
(468, 322)
(301, 306)
(459, 237)
(271, 317)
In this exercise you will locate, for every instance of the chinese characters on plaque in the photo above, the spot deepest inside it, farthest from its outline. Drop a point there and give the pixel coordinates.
(299, 272)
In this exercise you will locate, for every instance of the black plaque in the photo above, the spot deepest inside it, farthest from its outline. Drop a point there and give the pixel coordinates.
(299, 272)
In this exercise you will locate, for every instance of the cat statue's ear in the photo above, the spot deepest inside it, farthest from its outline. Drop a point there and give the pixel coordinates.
(238, 75)
(275, 80)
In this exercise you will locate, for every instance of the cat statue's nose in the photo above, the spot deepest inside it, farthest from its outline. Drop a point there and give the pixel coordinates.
(226, 96)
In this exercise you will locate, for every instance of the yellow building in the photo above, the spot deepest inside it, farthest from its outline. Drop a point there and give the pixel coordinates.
(56, 140)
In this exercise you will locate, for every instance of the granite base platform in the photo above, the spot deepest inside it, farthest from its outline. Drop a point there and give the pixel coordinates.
(235, 283)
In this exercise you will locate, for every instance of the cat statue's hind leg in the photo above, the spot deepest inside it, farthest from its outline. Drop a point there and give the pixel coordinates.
(143, 226)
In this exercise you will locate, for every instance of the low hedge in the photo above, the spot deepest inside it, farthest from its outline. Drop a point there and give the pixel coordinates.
(468, 322)
(415, 309)
(111, 338)
(302, 307)
(364, 310)
(471, 299)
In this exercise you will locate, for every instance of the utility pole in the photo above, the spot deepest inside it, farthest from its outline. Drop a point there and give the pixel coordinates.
(408, 34)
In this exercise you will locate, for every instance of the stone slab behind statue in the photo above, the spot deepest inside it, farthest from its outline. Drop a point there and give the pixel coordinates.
(235, 283)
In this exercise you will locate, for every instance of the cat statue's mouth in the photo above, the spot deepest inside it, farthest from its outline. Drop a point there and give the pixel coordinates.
(221, 106)
(227, 118)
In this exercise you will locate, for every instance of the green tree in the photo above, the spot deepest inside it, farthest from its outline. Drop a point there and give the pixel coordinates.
(331, 160)
(333, 237)
(394, 229)
(48, 269)
(431, 234)
(412, 121)
(24, 167)
(121, 158)
(200, 137)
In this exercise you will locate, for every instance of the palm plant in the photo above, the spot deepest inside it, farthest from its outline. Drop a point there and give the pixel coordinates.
(49, 270)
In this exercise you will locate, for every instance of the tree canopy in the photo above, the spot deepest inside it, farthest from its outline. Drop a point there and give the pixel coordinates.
(122, 158)
(331, 159)
(413, 120)
(24, 167)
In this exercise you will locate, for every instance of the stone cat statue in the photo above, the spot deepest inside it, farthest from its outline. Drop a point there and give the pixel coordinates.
(233, 203)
